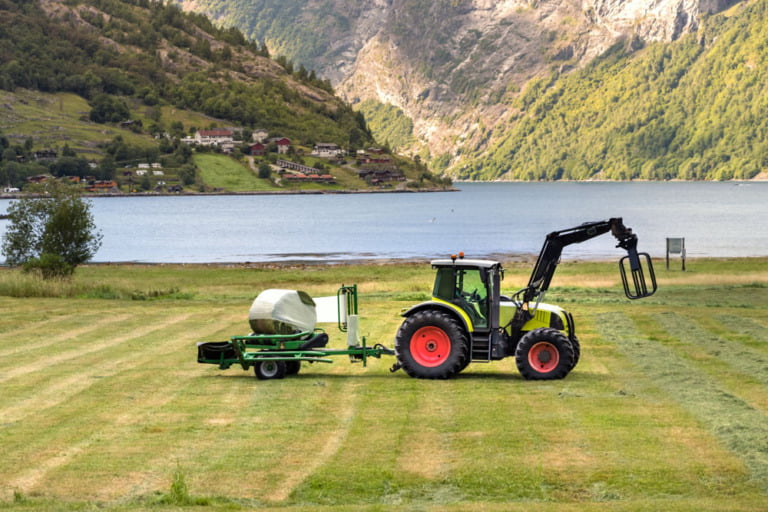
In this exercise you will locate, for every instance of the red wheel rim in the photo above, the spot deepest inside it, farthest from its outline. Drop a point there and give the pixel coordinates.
(543, 357)
(430, 346)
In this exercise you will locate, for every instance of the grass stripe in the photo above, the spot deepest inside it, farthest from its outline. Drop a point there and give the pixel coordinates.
(750, 328)
(738, 366)
(740, 427)
(745, 360)
(119, 392)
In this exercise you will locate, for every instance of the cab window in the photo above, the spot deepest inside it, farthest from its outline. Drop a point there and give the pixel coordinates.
(466, 288)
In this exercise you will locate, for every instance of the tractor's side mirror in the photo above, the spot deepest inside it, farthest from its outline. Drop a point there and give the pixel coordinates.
(639, 288)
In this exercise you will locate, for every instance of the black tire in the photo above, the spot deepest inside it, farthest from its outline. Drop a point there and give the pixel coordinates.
(266, 370)
(292, 367)
(431, 344)
(576, 351)
(544, 354)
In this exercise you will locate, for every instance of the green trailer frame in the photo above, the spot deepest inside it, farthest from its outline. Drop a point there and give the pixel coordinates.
(273, 356)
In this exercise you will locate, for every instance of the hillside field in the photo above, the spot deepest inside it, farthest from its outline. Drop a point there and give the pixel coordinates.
(105, 408)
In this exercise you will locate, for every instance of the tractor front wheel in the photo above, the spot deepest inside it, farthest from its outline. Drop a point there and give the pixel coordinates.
(431, 344)
(266, 369)
(544, 354)
(576, 351)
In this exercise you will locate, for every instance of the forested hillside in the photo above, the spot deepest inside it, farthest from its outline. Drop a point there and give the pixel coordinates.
(154, 51)
(136, 63)
(692, 109)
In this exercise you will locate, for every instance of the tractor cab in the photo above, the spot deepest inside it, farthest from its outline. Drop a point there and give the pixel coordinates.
(471, 285)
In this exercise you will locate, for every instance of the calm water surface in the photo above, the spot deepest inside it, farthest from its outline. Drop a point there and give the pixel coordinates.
(716, 219)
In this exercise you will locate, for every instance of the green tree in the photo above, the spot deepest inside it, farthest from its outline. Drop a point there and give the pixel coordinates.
(265, 170)
(52, 234)
(107, 109)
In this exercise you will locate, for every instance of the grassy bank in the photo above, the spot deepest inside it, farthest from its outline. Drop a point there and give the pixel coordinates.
(105, 407)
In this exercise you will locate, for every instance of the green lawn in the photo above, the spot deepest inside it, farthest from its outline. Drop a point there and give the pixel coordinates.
(104, 406)
(222, 172)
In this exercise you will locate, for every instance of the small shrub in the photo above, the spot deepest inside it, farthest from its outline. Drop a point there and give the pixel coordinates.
(179, 492)
(49, 266)
(19, 497)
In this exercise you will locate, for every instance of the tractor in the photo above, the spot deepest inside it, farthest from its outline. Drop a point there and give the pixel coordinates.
(469, 320)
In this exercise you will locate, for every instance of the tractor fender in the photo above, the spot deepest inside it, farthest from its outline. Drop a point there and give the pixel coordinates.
(440, 305)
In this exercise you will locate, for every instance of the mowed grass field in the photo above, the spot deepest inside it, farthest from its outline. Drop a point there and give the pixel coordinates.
(105, 408)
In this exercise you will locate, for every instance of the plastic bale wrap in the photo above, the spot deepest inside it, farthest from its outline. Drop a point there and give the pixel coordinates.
(282, 312)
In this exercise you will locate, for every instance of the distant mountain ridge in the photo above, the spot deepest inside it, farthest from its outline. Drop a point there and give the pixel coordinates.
(469, 73)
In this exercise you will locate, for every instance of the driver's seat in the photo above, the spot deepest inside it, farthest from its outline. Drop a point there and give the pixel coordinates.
(478, 320)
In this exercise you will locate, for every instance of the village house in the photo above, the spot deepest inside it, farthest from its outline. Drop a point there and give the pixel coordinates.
(378, 176)
(366, 158)
(46, 154)
(327, 150)
(102, 186)
(259, 135)
(215, 137)
(257, 149)
(310, 178)
(283, 144)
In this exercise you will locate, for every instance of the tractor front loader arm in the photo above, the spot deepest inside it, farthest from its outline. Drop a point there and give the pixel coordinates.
(550, 254)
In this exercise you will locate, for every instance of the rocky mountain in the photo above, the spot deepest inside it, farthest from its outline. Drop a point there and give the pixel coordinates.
(459, 68)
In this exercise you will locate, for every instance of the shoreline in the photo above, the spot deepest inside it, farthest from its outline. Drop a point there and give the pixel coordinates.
(511, 258)
(246, 193)
(762, 178)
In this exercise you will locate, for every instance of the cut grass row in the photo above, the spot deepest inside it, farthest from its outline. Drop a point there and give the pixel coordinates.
(104, 405)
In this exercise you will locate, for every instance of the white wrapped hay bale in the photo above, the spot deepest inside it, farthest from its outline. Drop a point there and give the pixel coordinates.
(282, 312)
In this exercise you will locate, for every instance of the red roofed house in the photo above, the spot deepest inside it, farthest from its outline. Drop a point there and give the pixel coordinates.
(283, 144)
(258, 149)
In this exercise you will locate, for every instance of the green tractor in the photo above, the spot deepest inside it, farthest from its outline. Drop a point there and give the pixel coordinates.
(468, 320)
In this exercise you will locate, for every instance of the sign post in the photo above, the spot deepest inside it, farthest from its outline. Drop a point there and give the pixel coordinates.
(676, 246)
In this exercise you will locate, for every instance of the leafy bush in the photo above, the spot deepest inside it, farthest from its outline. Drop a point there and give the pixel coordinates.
(49, 266)
(51, 233)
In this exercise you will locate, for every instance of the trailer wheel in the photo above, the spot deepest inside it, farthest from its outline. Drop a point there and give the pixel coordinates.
(266, 370)
(431, 344)
(544, 354)
(292, 367)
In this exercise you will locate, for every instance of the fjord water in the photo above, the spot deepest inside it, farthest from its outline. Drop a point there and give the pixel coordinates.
(717, 219)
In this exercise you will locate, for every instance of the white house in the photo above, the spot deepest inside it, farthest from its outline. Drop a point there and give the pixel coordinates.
(327, 150)
(259, 135)
(215, 137)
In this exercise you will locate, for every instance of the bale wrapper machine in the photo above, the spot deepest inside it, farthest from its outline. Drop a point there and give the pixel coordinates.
(284, 334)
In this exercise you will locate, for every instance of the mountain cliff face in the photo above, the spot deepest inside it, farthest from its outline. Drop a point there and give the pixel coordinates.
(448, 65)
(453, 66)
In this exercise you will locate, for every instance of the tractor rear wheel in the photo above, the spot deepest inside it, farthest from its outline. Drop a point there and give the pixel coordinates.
(431, 344)
(267, 369)
(544, 354)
